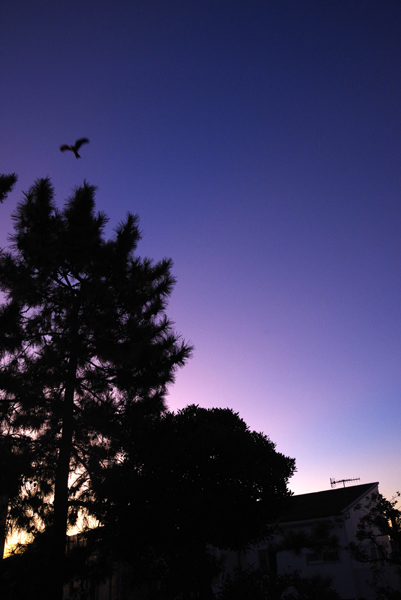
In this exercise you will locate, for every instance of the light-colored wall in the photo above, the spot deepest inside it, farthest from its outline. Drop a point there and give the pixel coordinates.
(340, 572)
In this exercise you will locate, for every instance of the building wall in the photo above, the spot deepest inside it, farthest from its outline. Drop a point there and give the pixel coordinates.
(334, 564)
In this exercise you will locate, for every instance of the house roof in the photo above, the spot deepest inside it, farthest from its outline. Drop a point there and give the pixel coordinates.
(329, 503)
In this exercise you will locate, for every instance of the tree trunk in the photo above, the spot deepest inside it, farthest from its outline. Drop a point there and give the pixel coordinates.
(59, 529)
(3, 519)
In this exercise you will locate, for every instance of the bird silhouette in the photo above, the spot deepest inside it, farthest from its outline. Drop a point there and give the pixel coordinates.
(75, 147)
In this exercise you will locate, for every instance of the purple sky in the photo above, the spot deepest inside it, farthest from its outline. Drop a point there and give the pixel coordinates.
(260, 144)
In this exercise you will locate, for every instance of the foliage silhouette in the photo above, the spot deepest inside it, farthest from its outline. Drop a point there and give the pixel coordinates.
(84, 337)
(262, 585)
(193, 480)
(7, 182)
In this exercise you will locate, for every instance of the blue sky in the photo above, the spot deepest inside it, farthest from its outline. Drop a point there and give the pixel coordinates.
(260, 144)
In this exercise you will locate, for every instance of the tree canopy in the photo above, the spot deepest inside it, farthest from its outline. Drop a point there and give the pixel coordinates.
(193, 480)
(83, 336)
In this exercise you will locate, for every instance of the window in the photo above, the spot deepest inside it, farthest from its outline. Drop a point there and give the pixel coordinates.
(313, 557)
(317, 558)
(377, 553)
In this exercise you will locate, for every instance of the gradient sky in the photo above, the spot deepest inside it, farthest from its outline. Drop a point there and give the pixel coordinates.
(260, 144)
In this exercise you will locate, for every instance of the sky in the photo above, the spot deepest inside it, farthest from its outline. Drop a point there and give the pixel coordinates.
(260, 144)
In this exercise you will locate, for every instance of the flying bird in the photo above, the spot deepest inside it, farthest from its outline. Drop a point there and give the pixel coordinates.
(75, 147)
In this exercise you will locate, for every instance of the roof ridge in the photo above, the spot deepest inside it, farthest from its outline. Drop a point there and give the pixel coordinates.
(326, 503)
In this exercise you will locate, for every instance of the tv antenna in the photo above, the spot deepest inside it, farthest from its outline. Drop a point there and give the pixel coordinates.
(333, 482)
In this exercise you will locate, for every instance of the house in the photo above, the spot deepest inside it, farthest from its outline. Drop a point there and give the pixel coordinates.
(338, 508)
(337, 512)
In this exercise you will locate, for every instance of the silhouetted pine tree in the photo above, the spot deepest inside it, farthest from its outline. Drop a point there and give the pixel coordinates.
(6, 184)
(83, 336)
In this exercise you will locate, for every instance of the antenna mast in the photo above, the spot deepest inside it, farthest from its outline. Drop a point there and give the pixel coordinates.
(333, 482)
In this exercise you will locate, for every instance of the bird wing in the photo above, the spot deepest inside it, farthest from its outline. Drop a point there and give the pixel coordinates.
(79, 143)
(65, 147)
